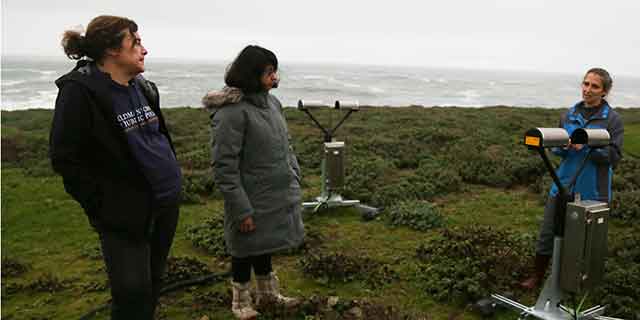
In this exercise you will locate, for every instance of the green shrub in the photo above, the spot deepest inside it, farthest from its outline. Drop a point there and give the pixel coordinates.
(401, 151)
(95, 286)
(187, 197)
(465, 264)
(39, 169)
(389, 194)
(434, 177)
(626, 176)
(197, 185)
(497, 165)
(418, 215)
(525, 166)
(206, 300)
(44, 283)
(482, 165)
(308, 150)
(200, 182)
(197, 157)
(620, 289)
(626, 206)
(28, 151)
(12, 267)
(541, 187)
(364, 178)
(313, 240)
(184, 268)
(332, 307)
(379, 183)
(91, 250)
(209, 235)
(339, 268)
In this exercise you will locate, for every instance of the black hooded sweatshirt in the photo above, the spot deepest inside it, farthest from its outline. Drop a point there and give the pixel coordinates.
(89, 149)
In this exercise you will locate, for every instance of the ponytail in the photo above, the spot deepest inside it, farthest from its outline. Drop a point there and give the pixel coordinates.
(74, 44)
(103, 33)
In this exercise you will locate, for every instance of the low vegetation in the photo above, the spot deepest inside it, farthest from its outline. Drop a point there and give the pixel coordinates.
(462, 202)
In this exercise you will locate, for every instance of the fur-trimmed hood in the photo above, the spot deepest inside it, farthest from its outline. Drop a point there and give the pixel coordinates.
(219, 98)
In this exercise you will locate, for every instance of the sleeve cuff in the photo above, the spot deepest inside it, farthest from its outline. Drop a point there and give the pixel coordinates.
(244, 215)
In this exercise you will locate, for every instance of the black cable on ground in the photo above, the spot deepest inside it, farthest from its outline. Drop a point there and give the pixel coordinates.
(181, 284)
(170, 288)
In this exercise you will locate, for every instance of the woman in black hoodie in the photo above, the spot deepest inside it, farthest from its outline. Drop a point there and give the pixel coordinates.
(110, 144)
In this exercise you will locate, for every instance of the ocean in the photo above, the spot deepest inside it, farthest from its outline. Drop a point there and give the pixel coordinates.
(28, 82)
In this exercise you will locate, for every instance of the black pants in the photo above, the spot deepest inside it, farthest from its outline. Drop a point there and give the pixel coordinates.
(135, 266)
(241, 267)
(544, 245)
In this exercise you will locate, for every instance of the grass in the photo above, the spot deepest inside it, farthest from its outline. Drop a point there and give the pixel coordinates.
(43, 228)
(50, 234)
(632, 139)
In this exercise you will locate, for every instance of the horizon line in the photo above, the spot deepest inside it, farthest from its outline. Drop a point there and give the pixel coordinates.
(325, 62)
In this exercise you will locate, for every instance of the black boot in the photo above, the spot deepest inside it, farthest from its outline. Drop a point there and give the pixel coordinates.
(541, 262)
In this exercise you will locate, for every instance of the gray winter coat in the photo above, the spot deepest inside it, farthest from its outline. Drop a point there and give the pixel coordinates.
(256, 170)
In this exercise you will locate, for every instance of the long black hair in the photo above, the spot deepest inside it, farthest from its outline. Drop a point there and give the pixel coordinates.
(247, 69)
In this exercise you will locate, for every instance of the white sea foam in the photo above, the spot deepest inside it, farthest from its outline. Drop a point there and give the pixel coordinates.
(351, 85)
(30, 70)
(48, 93)
(13, 90)
(164, 90)
(30, 84)
(314, 77)
(10, 83)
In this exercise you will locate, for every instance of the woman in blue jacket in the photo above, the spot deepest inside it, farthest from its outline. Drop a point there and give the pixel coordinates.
(594, 182)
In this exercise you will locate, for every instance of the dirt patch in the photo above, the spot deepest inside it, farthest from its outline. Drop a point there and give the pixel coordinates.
(331, 307)
(10, 150)
(12, 267)
(334, 268)
(45, 283)
(184, 268)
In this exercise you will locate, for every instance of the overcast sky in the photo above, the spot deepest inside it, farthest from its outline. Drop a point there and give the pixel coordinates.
(551, 36)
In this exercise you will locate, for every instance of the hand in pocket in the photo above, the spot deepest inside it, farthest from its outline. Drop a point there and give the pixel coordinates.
(247, 225)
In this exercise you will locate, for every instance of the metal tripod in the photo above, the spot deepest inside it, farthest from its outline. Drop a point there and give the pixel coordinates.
(333, 163)
(548, 306)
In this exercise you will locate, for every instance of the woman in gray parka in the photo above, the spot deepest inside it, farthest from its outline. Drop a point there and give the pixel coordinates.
(258, 175)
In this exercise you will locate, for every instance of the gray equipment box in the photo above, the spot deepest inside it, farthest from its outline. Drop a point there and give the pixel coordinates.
(585, 245)
(334, 157)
